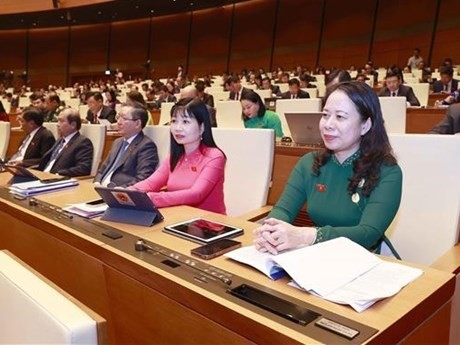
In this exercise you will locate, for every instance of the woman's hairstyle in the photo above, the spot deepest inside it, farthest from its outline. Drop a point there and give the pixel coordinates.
(113, 95)
(135, 96)
(374, 147)
(253, 97)
(340, 74)
(194, 108)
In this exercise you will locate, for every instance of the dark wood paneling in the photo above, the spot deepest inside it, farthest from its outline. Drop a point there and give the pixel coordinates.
(129, 44)
(347, 33)
(169, 43)
(447, 43)
(297, 35)
(48, 56)
(252, 35)
(401, 26)
(13, 56)
(209, 41)
(89, 44)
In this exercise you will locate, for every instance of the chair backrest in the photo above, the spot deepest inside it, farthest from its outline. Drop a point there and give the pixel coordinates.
(6, 105)
(52, 127)
(321, 88)
(218, 93)
(64, 95)
(33, 310)
(427, 223)
(73, 103)
(284, 87)
(264, 93)
(228, 114)
(160, 135)
(165, 113)
(417, 73)
(250, 86)
(411, 80)
(394, 113)
(249, 167)
(312, 91)
(421, 91)
(5, 128)
(83, 110)
(24, 102)
(96, 133)
(295, 106)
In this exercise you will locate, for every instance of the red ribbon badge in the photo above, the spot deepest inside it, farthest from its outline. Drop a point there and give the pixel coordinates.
(320, 188)
(193, 168)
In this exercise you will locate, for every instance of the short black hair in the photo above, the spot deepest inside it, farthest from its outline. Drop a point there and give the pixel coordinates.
(340, 74)
(447, 70)
(37, 95)
(200, 86)
(233, 80)
(33, 114)
(138, 111)
(294, 81)
(254, 97)
(393, 73)
(267, 79)
(96, 95)
(53, 97)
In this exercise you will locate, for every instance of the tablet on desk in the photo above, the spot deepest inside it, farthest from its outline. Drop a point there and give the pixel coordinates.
(129, 206)
(203, 230)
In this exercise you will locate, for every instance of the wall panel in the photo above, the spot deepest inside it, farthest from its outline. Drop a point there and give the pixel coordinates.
(347, 33)
(169, 43)
(210, 41)
(447, 42)
(129, 44)
(88, 46)
(401, 26)
(48, 56)
(252, 35)
(13, 56)
(297, 34)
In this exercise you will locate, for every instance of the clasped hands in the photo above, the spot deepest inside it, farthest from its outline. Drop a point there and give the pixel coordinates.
(276, 235)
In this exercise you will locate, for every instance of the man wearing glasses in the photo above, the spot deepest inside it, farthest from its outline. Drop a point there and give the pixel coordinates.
(133, 157)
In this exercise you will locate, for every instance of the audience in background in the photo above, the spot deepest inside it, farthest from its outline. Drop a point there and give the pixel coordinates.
(336, 76)
(237, 91)
(111, 99)
(3, 115)
(97, 110)
(395, 88)
(447, 84)
(294, 91)
(53, 107)
(202, 95)
(255, 115)
(267, 85)
(414, 60)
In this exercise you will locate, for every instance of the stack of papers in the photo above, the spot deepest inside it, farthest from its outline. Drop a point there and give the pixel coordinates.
(32, 188)
(338, 270)
(87, 211)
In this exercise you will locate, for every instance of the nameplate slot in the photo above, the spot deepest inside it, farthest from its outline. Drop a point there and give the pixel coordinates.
(274, 304)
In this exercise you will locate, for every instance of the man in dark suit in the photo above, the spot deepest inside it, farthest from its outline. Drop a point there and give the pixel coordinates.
(133, 157)
(267, 85)
(236, 89)
(205, 97)
(97, 110)
(394, 88)
(451, 123)
(294, 90)
(192, 92)
(53, 107)
(72, 154)
(447, 84)
(36, 143)
(164, 96)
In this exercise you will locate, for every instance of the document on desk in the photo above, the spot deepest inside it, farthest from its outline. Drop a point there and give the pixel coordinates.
(87, 211)
(38, 187)
(338, 270)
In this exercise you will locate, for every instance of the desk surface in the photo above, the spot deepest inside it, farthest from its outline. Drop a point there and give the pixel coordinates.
(389, 316)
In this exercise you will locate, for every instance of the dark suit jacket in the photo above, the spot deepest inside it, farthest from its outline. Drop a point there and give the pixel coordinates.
(75, 159)
(404, 91)
(137, 163)
(243, 92)
(42, 141)
(208, 99)
(451, 123)
(275, 90)
(301, 94)
(438, 86)
(106, 113)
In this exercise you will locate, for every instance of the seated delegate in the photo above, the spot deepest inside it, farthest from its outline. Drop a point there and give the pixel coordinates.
(352, 189)
(255, 115)
(194, 172)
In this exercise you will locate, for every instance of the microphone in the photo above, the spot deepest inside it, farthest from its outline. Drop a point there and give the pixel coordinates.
(141, 246)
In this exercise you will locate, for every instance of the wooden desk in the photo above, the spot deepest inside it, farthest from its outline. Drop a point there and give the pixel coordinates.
(143, 303)
(422, 120)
